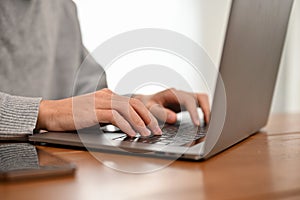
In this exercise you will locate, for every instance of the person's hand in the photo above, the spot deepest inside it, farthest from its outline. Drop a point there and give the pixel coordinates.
(164, 105)
(103, 106)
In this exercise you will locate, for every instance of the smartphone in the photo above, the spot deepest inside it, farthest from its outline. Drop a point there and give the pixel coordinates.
(23, 161)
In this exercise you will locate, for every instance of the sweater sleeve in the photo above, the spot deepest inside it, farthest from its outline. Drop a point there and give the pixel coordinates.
(90, 75)
(18, 115)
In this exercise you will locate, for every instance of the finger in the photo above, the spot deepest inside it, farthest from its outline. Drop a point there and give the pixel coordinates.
(112, 116)
(181, 99)
(138, 115)
(130, 115)
(154, 125)
(121, 104)
(146, 116)
(135, 120)
(204, 104)
(190, 103)
(163, 114)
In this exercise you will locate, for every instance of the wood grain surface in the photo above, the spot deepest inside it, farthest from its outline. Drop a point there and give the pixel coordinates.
(265, 166)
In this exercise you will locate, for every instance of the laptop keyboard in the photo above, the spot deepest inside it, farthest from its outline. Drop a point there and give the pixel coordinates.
(183, 135)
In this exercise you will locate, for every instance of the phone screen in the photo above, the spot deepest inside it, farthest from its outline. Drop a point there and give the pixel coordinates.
(22, 161)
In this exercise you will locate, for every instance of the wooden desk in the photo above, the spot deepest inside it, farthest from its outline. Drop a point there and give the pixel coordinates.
(265, 166)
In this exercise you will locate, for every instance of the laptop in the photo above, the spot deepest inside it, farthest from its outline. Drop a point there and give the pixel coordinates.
(252, 50)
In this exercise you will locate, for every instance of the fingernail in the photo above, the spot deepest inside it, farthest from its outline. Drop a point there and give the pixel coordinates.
(157, 130)
(132, 134)
(146, 132)
(197, 122)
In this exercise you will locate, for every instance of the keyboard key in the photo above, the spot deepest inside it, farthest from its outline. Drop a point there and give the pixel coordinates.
(174, 135)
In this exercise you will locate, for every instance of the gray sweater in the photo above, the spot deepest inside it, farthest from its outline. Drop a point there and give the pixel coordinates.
(40, 52)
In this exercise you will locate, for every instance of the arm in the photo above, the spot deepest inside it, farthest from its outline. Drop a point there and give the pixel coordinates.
(131, 115)
(102, 106)
(18, 115)
(21, 115)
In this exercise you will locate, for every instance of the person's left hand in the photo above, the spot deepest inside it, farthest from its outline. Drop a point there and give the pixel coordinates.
(164, 105)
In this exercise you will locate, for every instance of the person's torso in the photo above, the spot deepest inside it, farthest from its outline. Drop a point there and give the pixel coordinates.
(40, 47)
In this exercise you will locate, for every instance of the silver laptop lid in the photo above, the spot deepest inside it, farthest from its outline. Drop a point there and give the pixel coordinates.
(251, 57)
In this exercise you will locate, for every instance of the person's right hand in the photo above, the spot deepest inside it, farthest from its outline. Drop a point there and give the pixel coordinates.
(103, 106)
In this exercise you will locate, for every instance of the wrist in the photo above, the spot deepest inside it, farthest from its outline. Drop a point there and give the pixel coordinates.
(44, 115)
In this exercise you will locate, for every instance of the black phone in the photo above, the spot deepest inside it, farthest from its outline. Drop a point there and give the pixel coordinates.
(23, 161)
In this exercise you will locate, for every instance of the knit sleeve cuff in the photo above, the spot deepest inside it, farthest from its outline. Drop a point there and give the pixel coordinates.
(18, 115)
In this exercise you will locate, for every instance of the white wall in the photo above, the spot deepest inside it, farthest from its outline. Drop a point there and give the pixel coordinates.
(103, 19)
(203, 21)
(287, 94)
